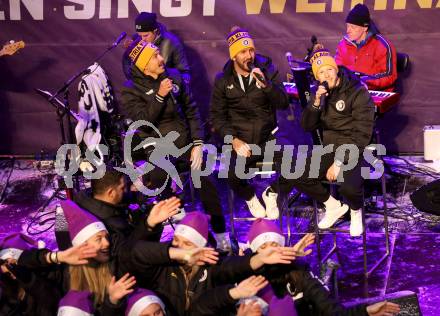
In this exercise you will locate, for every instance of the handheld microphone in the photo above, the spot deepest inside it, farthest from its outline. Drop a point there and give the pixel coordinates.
(323, 96)
(260, 78)
(163, 76)
(119, 39)
(289, 59)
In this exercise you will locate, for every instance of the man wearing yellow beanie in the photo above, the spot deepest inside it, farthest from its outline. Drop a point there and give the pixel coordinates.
(243, 106)
(160, 96)
(343, 109)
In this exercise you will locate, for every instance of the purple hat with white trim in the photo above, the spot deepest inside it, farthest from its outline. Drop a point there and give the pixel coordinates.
(262, 231)
(82, 224)
(283, 306)
(194, 227)
(139, 300)
(76, 303)
(13, 245)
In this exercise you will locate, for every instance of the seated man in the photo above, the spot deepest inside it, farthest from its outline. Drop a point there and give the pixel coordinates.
(160, 96)
(363, 49)
(346, 118)
(170, 46)
(243, 106)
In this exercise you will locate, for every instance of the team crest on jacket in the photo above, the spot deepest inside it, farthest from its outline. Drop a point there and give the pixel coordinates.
(340, 105)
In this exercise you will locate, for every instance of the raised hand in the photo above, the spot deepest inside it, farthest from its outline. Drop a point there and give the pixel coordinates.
(383, 309)
(118, 289)
(77, 255)
(162, 211)
(248, 287)
(301, 245)
(273, 255)
(201, 256)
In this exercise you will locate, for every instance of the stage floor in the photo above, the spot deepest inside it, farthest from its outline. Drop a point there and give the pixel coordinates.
(415, 236)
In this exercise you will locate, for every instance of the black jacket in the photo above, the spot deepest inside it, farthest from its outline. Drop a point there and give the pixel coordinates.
(172, 51)
(140, 102)
(41, 294)
(312, 297)
(347, 116)
(54, 282)
(250, 115)
(155, 270)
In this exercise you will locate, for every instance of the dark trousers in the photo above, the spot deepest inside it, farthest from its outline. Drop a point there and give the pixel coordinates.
(242, 187)
(208, 192)
(351, 188)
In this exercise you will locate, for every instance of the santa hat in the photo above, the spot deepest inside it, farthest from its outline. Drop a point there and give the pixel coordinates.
(13, 245)
(194, 227)
(82, 224)
(141, 299)
(262, 231)
(283, 306)
(76, 303)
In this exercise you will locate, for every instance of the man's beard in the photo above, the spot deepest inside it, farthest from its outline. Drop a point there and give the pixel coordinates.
(243, 66)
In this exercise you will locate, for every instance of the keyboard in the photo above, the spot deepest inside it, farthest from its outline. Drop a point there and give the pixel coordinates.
(382, 99)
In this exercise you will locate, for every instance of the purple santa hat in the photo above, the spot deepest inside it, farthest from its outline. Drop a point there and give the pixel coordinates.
(76, 303)
(82, 224)
(139, 300)
(262, 231)
(194, 227)
(13, 245)
(283, 306)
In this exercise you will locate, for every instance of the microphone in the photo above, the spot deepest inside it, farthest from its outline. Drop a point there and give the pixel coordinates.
(251, 67)
(289, 59)
(119, 39)
(314, 41)
(323, 96)
(163, 76)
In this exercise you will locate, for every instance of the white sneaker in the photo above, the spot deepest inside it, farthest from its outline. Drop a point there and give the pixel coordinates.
(332, 215)
(270, 200)
(255, 207)
(356, 227)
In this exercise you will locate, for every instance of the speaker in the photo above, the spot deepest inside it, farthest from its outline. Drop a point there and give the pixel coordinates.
(407, 300)
(427, 198)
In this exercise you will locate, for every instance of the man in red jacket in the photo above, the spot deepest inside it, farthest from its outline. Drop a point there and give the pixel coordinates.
(363, 49)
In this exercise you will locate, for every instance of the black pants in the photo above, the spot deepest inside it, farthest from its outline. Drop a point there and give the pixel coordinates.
(208, 192)
(351, 188)
(242, 187)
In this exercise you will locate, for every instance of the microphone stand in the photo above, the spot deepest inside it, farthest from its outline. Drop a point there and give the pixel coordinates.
(65, 109)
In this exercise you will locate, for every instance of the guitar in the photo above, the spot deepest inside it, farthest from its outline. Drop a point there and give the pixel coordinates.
(11, 48)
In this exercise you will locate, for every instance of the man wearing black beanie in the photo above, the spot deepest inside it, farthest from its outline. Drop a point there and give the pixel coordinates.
(363, 49)
(170, 46)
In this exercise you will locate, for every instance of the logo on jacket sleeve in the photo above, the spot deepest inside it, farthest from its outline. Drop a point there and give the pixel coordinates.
(176, 88)
(340, 105)
(204, 276)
